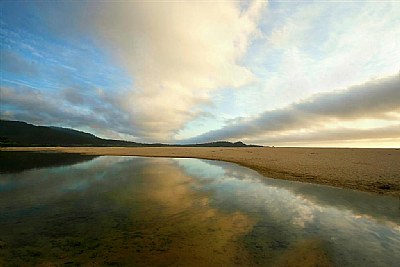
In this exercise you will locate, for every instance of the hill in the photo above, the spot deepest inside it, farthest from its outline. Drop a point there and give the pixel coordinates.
(18, 133)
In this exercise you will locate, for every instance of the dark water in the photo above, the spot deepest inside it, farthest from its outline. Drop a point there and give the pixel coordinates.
(184, 212)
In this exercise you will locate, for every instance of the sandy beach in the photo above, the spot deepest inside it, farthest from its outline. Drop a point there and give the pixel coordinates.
(365, 169)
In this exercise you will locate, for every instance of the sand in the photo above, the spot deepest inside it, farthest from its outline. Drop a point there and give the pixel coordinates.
(365, 169)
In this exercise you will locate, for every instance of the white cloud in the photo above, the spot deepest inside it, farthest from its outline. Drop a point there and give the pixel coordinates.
(177, 53)
(320, 47)
(391, 132)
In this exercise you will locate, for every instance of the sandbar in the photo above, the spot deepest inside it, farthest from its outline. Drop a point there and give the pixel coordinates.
(367, 169)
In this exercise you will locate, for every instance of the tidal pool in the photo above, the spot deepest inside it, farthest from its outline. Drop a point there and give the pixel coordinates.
(134, 211)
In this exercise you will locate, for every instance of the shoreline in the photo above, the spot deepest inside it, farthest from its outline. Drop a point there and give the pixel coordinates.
(374, 170)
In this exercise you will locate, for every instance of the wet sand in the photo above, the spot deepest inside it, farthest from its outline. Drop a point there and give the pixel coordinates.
(365, 169)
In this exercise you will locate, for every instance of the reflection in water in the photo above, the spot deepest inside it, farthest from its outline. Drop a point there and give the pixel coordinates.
(364, 231)
(13, 161)
(155, 211)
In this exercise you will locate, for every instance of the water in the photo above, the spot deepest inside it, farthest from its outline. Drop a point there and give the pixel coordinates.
(183, 212)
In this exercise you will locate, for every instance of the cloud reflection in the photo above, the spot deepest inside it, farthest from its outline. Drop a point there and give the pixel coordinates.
(359, 230)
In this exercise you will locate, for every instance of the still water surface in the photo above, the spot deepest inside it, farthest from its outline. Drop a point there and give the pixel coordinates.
(184, 212)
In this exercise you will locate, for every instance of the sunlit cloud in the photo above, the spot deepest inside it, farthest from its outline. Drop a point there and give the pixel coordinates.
(176, 53)
(271, 73)
(375, 99)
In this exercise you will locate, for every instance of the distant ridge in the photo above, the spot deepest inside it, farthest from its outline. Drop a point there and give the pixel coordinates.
(18, 133)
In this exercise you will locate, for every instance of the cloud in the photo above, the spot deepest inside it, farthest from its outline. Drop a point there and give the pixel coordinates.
(337, 134)
(98, 113)
(374, 99)
(14, 63)
(176, 53)
(316, 47)
(175, 58)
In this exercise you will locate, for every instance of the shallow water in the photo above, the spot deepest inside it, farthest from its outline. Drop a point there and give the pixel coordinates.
(186, 212)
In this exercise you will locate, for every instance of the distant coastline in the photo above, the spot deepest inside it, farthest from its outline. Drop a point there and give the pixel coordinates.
(22, 134)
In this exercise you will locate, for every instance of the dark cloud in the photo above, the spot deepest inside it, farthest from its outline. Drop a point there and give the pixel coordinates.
(14, 63)
(95, 112)
(74, 96)
(364, 100)
(373, 99)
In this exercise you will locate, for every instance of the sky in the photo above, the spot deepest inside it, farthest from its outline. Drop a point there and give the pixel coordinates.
(277, 73)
